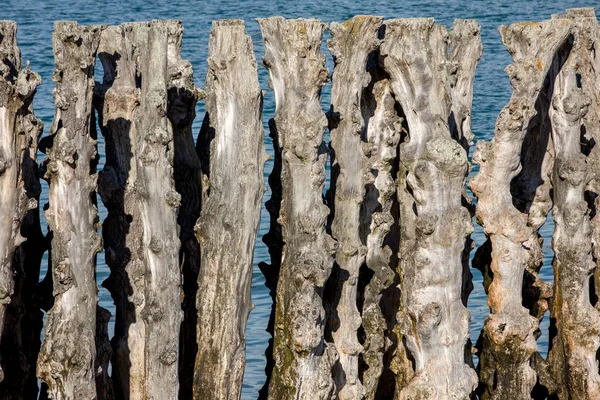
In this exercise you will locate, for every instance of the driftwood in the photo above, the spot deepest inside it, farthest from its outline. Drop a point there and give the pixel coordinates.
(21, 243)
(232, 139)
(303, 360)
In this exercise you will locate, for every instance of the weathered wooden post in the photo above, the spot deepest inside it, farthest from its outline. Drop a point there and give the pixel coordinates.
(573, 353)
(350, 46)
(508, 337)
(303, 360)
(66, 362)
(21, 241)
(434, 225)
(381, 136)
(181, 110)
(141, 61)
(228, 223)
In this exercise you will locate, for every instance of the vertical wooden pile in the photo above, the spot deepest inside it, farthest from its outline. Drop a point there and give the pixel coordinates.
(379, 216)
(508, 354)
(433, 320)
(353, 41)
(67, 359)
(21, 241)
(181, 111)
(142, 65)
(232, 139)
(303, 360)
(574, 113)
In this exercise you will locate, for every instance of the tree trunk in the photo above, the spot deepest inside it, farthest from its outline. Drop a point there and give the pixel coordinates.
(577, 323)
(66, 362)
(351, 45)
(508, 337)
(22, 243)
(228, 223)
(432, 319)
(141, 233)
(303, 360)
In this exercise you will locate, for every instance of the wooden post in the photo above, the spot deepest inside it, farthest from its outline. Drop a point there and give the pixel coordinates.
(21, 242)
(66, 361)
(576, 321)
(350, 46)
(228, 223)
(181, 110)
(381, 136)
(137, 186)
(303, 360)
(433, 319)
(508, 338)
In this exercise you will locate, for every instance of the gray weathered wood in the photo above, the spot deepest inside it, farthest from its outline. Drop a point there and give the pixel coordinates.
(381, 136)
(352, 42)
(433, 320)
(66, 361)
(20, 320)
(228, 223)
(508, 338)
(303, 360)
(574, 348)
(182, 98)
(141, 233)
(116, 100)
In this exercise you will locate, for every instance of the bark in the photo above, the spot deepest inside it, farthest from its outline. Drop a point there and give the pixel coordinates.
(66, 361)
(381, 136)
(351, 45)
(432, 319)
(577, 323)
(508, 338)
(233, 128)
(303, 360)
(22, 243)
(141, 63)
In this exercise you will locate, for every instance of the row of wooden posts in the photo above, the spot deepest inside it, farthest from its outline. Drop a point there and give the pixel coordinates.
(370, 283)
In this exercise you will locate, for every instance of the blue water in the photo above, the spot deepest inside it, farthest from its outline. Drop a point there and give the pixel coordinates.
(492, 91)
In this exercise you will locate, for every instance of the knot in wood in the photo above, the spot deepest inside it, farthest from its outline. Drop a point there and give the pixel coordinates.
(572, 169)
(173, 198)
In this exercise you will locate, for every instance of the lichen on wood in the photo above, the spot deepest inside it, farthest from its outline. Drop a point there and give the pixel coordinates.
(232, 139)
